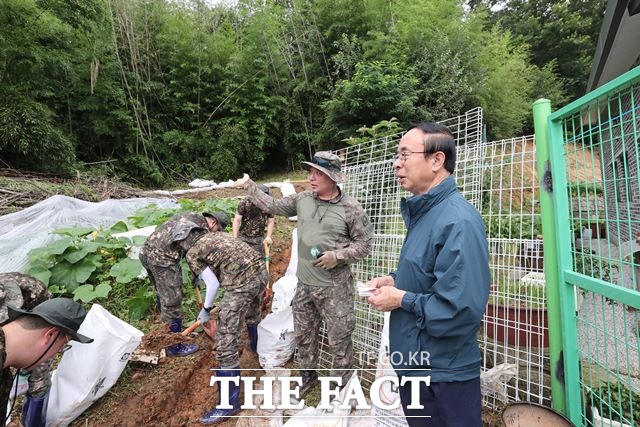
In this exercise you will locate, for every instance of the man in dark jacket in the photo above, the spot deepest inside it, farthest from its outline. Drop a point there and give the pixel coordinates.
(438, 293)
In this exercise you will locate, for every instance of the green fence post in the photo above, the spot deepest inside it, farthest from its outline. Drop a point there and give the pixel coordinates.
(542, 110)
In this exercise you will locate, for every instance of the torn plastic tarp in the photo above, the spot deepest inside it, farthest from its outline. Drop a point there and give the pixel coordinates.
(30, 228)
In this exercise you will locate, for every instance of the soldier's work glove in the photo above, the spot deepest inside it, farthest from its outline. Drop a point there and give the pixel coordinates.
(328, 260)
(204, 316)
(199, 283)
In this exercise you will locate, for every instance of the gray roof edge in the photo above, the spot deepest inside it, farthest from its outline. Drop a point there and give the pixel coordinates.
(612, 17)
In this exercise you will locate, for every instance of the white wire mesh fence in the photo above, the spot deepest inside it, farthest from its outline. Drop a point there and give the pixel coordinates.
(499, 179)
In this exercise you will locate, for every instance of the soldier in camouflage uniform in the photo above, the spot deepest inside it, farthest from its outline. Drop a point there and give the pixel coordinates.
(249, 224)
(241, 272)
(333, 232)
(19, 292)
(161, 255)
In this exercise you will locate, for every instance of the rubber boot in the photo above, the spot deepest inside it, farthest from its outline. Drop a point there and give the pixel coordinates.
(34, 411)
(158, 305)
(176, 325)
(309, 379)
(217, 415)
(252, 343)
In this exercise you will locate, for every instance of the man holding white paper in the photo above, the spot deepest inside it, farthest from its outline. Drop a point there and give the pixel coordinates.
(439, 291)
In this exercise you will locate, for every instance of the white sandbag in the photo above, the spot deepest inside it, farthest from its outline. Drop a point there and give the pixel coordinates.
(283, 291)
(87, 371)
(275, 339)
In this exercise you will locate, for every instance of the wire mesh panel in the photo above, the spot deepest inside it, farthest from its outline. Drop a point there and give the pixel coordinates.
(515, 324)
(596, 180)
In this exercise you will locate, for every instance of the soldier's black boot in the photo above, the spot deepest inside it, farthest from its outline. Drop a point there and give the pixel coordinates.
(252, 343)
(216, 415)
(309, 379)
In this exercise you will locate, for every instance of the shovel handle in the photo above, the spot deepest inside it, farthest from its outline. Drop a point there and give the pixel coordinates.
(266, 255)
(199, 296)
(191, 328)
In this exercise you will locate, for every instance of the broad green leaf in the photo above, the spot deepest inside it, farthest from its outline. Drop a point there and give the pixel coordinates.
(72, 275)
(119, 227)
(102, 290)
(85, 248)
(125, 241)
(84, 293)
(40, 272)
(139, 305)
(57, 247)
(42, 254)
(126, 270)
(74, 232)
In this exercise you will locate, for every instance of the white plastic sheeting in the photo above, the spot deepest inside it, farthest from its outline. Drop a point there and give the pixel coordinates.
(30, 228)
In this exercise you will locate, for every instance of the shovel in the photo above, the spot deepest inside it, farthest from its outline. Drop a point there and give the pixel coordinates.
(267, 294)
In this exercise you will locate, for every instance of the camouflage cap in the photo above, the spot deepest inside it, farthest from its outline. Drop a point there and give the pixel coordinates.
(328, 163)
(20, 290)
(220, 217)
(63, 313)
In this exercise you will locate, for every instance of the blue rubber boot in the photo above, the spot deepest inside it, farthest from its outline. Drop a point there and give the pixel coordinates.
(217, 415)
(252, 343)
(181, 349)
(158, 305)
(34, 411)
(176, 326)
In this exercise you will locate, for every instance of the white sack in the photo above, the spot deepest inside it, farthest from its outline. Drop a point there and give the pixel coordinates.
(87, 371)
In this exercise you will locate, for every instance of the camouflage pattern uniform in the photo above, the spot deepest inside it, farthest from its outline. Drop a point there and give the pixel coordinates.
(21, 291)
(339, 225)
(253, 224)
(243, 276)
(161, 255)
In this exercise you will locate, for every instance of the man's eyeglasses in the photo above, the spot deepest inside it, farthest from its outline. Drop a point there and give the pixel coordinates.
(404, 155)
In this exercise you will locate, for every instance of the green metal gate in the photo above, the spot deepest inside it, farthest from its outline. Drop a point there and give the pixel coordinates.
(588, 158)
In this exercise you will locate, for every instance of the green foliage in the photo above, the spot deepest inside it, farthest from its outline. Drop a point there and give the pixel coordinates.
(516, 294)
(508, 226)
(85, 264)
(169, 91)
(592, 265)
(152, 215)
(619, 402)
(29, 138)
(375, 92)
(564, 33)
(379, 130)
